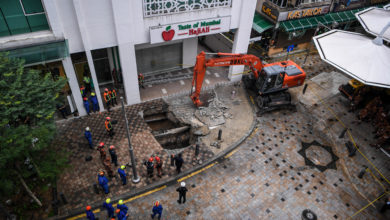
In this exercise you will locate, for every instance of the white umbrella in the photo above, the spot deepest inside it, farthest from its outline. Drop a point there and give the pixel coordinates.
(373, 20)
(356, 55)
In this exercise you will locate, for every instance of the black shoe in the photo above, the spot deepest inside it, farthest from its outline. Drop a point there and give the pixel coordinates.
(152, 216)
(178, 201)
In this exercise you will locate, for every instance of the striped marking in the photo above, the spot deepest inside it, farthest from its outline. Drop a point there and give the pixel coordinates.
(150, 86)
(164, 91)
(208, 72)
(216, 75)
(182, 82)
(207, 81)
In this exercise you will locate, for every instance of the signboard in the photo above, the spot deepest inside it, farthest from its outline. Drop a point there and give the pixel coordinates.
(270, 11)
(189, 29)
(275, 15)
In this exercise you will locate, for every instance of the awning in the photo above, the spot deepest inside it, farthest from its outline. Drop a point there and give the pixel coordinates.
(312, 22)
(41, 53)
(260, 24)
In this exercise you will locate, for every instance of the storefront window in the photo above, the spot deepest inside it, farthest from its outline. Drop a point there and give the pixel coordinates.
(22, 16)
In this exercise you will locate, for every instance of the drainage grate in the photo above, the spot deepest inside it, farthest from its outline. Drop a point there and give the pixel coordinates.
(268, 211)
(223, 190)
(267, 184)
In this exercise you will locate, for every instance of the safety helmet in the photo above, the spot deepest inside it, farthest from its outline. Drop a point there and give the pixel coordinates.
(108, 118)
(156, 203)
(87, 128)
(101, 173)
(101, 144)
(120, 202)
(112, 147)
(85, 98)
(151, 159)
(108, 200)
(123, 167)
(183, 184)
(117, 210)
(82, 87)
(88, 208)
(157, 158)
(92, 94)
(113, 218)
(106, 89)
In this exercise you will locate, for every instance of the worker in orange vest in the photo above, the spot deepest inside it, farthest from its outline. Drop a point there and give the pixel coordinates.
(107, 98)
(109, 127)
(113, 97)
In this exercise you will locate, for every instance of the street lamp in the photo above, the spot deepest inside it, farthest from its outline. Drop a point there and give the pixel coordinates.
(135, 177)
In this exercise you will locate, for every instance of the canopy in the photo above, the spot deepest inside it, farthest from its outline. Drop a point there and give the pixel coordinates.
(373, 20)
(260, 24)
(356, 55)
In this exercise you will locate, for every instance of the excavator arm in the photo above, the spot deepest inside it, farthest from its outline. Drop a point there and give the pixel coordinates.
(224, 59)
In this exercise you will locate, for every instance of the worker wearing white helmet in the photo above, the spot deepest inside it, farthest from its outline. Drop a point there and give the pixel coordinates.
(182, 192)
(88, 136)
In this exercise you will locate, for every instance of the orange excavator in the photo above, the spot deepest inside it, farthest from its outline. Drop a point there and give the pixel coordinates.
(269, 81)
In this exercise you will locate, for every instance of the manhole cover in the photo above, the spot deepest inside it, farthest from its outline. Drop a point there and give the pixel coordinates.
(307, 214)
(318, 155)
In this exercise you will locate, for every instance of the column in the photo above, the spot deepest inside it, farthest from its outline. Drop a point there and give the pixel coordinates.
(74, 85)
(242, 35)
(129, 73)
(84, 37)
(125, 38)
(190, 50)
(94, 79)
(52, 17)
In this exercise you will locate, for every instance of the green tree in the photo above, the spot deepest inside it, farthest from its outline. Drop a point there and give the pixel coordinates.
(28, 101)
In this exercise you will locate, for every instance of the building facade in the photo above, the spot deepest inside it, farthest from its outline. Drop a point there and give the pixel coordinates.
(113, 41)
(295, 22)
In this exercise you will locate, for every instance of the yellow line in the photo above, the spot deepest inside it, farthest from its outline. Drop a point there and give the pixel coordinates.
(82, 215)
(253, 133)
(196, 172)
(145, 194)
(350, 135)
(368, 205)
(231, 153)
(376, 178)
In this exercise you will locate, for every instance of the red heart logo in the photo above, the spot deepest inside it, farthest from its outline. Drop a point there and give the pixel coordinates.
(168, 34)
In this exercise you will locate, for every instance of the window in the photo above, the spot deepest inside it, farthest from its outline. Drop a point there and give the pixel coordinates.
(280, 3)
(22, 16)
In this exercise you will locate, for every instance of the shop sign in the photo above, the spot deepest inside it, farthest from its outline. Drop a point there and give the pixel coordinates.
(189, 29)
(270, 11)
(302, 13)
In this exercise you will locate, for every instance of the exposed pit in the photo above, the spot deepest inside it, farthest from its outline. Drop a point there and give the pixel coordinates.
(168, 131)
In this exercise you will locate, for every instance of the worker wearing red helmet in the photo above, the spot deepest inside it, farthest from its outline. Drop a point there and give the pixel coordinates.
(158, 165)
(157, 210)
(121, 214)
(114, 158)
(109, 127)
(103, 182)
(103, 154)
(89, 213)
(107, 98)
(86, 105)
(149, 167)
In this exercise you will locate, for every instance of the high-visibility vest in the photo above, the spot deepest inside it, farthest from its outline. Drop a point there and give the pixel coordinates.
(107, 97)
(87, 79)
(108, 125)
(113, 94)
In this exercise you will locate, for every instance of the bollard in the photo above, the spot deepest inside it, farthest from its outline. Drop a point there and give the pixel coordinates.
(304, 89)
(64, 201)
(220, 134)
(343, 133)
(351, 149)
(196, 149)
(172, 160)
(362, 172)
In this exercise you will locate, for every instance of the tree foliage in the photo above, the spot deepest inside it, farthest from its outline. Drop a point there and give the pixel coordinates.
(28, 101)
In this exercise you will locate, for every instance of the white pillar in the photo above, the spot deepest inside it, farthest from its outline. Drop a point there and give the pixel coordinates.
(52, 17)
(74, 85)
(190, 50)
(110, 58)
(242, 35)
(94, 78)
(84, 37)
(124, 22)
(129, 73)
